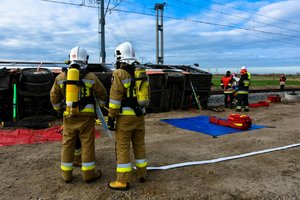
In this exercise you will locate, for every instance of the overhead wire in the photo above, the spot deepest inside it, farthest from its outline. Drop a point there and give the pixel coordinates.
(288, 42)
(189, 20)
(248, 30)
(210, 23)
(236, 16)
(108, 25)
(282, 20)
(126, 29)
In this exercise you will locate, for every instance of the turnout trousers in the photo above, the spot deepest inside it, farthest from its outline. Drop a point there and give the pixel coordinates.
(130, 129)
(228, 99)
(242, 101)
(82, 128)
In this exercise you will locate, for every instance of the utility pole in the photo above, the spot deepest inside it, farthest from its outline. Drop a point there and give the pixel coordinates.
(159, 7)
(101, 30)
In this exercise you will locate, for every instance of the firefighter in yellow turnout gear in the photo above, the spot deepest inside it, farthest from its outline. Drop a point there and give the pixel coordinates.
(124, 107)
(77, 87)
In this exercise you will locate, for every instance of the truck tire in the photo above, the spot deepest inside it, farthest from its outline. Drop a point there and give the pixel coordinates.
(33, 76)
(37, 87)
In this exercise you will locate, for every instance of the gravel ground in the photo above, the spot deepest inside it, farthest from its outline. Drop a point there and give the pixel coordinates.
(33, 171)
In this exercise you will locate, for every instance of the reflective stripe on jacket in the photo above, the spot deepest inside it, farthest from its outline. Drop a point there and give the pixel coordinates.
(226, 84)
(244, 83)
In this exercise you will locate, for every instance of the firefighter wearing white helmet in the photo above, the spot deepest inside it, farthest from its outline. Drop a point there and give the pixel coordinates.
(77, 87)
(125, 53)
(245, 68)
(79, 56)
(124, 107)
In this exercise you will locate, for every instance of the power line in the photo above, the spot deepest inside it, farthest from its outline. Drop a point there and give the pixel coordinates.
(129, 36)
(113, 33)
(209, 23)
(184, 19)
(66, 3)
(282, 20)
(225, 13)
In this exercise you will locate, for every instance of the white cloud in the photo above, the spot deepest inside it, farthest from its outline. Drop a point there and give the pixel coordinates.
(34, 30)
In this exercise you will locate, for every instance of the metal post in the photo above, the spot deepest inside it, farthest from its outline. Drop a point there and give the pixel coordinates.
(101, 31)
(159, 37)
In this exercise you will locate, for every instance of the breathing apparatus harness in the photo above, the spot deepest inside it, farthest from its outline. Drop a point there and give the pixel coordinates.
(135, 102)
(80, 99)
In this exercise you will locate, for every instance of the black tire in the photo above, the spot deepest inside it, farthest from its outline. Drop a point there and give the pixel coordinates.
(3, 74)
(33, 76)
(37, 87)
(5, 82)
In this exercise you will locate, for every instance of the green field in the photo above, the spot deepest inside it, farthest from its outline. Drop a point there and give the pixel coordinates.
(259, 81)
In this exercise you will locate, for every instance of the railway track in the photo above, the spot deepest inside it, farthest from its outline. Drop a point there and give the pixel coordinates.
(256, 95)
(260, 90)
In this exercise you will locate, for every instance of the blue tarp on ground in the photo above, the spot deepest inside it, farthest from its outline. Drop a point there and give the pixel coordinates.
(201, 124)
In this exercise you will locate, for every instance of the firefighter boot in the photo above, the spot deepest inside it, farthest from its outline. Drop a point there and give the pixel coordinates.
(141, 173)
(238, 108)
(246, 109)
(117, 185)
(66, 175)
(91, 175)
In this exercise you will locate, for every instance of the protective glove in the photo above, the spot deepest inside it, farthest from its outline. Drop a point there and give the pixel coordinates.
(111, 123)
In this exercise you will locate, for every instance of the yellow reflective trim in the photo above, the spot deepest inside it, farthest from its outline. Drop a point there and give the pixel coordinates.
(86, 168)
(127, 169)
(91, 110)
(65, 168)
(56, 108)
(237, 124)
(126, 85)
(144, 164)
(243, 92)
(127, 112)
(114, 106)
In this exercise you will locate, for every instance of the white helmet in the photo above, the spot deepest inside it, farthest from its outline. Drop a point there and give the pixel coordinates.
(125, 53)
(243, 67)
(78, 55)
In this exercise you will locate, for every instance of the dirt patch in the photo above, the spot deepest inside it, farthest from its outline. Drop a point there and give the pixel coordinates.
(33, 171)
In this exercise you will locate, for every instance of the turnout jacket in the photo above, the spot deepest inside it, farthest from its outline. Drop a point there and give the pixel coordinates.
(121, 81)
(92, 86)
(243, 85)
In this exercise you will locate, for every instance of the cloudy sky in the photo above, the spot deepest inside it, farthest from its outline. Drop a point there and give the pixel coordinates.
(218, 34)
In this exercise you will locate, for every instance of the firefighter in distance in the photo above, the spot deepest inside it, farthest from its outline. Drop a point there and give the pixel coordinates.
(226, 84)
(243, 91)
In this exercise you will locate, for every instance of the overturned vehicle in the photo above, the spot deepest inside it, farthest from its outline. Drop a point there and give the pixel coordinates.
(25, 88)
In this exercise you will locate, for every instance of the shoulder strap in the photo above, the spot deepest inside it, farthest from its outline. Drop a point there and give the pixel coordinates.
(130, 69)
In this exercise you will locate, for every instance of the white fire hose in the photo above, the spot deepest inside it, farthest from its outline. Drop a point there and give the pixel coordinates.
(184, 164)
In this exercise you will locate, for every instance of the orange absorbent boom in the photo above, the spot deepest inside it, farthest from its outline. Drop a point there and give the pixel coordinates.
(237, 121)
(259, 104)
(274, 98)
